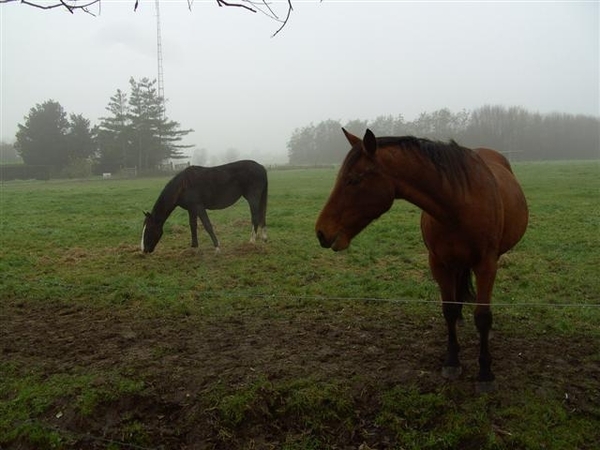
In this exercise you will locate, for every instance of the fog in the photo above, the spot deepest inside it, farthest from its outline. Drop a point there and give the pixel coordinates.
(238, 87)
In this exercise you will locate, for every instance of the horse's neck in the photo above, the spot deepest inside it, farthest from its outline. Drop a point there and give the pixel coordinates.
(168, 198)
(162, 209)
(417, 181)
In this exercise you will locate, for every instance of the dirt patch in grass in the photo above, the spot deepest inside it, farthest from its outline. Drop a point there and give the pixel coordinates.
(193, 366)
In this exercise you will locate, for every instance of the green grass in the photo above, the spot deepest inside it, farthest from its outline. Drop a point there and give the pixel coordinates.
(75, 244)
(27, 397)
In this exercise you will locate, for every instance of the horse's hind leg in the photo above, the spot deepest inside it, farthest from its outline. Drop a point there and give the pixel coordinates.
(485, 275)
(254, 231)
(208, 227)
(193, 220)
(263, 233)
(258, 219)
(263, 211)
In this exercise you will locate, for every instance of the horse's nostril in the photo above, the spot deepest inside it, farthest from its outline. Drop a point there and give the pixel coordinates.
(322, 239)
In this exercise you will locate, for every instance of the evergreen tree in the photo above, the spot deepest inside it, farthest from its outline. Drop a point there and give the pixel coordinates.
(155, 137)
(138, 134)
(80, 139)
(113, 135)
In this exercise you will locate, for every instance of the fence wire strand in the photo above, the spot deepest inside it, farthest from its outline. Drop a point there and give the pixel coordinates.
(157, 291)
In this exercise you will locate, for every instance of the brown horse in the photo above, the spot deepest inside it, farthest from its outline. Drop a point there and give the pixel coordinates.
(473, 211)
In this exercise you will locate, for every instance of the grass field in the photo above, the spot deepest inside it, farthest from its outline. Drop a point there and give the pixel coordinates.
(282, 344)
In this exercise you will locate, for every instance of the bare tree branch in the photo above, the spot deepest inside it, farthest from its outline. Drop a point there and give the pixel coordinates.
(254, 6)
(69, 5)
(239, 5)
(285, 21)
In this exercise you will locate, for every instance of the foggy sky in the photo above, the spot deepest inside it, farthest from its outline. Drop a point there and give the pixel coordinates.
(236, 86)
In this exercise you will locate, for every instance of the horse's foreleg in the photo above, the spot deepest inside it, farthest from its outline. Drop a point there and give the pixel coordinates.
(485, 275)
(208, 227)
(452, 368)
(193, 219)
(446, 281)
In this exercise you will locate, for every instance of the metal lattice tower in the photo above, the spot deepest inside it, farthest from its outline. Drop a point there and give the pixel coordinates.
(160, 79)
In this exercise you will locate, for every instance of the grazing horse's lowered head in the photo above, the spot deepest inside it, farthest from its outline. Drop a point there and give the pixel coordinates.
(198, 189)
(151, 233)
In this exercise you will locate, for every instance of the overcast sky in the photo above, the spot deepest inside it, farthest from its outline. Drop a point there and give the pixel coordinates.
(236, 86)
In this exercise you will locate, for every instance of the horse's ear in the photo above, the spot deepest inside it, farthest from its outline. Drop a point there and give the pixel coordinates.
(370, 142)
(354, 141)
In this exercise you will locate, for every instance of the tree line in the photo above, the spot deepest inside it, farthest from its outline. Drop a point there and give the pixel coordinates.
(518, 133)
(135, 133)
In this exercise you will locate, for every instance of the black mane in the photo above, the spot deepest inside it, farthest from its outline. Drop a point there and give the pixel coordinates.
(449, 158)
(166, 201)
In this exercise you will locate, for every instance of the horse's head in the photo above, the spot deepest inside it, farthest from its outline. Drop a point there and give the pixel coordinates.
(360, 195)
(151, 233)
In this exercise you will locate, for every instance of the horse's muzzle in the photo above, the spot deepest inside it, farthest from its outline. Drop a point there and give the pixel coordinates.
(325, 243)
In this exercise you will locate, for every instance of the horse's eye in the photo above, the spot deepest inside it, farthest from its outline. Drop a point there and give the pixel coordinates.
(353, 180)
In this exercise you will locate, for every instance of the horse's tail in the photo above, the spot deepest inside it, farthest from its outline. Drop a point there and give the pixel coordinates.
(465, 292)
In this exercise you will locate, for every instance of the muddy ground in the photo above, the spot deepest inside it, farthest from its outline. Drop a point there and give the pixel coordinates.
(183, 359)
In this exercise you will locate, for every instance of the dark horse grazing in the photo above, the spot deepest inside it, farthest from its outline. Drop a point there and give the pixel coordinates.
(197, 189)
(473, 211)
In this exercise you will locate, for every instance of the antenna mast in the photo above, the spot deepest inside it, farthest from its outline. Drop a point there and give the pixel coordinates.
(160, 80)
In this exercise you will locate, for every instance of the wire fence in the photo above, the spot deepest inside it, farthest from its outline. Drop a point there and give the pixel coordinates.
(157, 291)
(399, 300)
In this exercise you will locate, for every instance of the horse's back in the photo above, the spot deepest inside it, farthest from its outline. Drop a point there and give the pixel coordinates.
(221, 186)
(492, 156)
(251, 175)
(516, 214)
(243, 173)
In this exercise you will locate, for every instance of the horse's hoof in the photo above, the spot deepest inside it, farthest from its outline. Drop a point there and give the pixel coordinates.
(485, 387)
(451, 372)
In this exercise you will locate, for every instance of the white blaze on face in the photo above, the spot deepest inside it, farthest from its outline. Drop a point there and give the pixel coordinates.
(142, 243)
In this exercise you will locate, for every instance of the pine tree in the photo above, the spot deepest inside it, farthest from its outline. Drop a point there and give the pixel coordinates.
(138, 133)
(80, 139)
(155, 137)
(113, 136)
